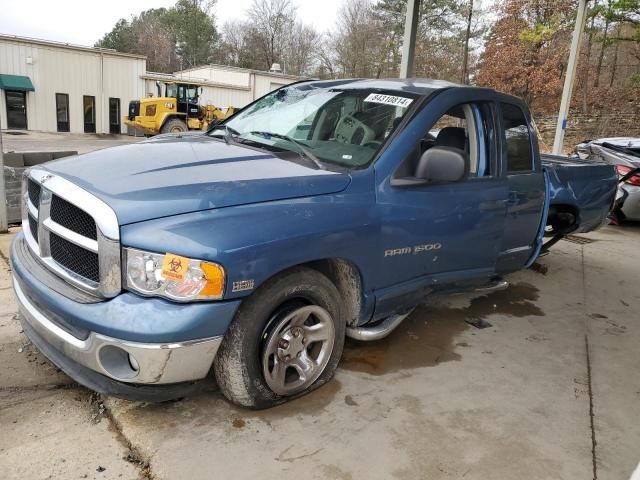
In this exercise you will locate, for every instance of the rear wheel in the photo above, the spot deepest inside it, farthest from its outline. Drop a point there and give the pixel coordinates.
(285, 341)
(174, 125)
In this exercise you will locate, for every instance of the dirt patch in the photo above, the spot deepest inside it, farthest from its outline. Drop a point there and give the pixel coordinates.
(238, 423)
(539, 268)
(348, 399)
(427, 337)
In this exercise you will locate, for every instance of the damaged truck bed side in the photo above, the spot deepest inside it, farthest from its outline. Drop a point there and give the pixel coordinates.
(324, 209)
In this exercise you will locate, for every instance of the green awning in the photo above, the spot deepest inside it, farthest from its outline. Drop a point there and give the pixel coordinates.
(16, 82)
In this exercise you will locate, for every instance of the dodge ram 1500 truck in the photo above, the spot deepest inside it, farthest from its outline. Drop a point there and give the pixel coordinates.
(322, 210)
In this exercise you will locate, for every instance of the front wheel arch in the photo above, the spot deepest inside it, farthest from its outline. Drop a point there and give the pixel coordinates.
(347, 278)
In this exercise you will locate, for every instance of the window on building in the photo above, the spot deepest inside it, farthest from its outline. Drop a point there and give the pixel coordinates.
(114, 115)
(517, 139)
(89, 107)
(62, 111)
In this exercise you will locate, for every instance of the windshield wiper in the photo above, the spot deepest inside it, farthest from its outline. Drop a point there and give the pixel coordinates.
(228, 132)
(304, 150)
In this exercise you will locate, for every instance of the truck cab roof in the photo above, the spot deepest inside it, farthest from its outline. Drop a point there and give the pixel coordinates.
(416, 86)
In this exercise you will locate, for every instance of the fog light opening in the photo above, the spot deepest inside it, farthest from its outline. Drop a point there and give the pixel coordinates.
(133, 363)
(118, 363)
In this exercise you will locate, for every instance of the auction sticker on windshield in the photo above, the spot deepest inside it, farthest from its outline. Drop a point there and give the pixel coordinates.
(388, 100)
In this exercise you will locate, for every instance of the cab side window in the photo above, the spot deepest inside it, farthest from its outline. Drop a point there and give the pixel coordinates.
(517, 139)
(463, 128)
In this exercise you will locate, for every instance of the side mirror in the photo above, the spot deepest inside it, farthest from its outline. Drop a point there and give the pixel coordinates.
(443, 164)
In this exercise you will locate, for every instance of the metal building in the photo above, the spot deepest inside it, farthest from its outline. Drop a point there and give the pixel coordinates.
(224, 86)
(57, 87)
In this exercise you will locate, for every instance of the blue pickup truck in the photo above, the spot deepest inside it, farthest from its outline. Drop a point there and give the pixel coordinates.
(322, 210)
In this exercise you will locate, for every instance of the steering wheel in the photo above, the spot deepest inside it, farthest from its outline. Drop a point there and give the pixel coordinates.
(349, 127)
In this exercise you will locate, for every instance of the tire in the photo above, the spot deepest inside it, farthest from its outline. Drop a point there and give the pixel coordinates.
(244, 360)
(174, 125)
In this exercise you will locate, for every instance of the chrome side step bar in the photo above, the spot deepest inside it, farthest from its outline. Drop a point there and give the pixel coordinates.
(493, 287)
(376, 332)
(389, 324)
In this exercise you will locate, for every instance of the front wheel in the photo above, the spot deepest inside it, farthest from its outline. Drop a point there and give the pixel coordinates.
(174, 125)
(285, 341)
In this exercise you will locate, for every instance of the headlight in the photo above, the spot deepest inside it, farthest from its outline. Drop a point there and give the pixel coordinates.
(172, 276)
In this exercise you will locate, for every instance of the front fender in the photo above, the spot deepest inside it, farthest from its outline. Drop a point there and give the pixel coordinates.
(256, 241)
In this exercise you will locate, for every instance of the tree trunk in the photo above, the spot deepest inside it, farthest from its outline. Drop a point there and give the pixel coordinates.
(605, 36)
(615, 63)
(585, 88)
(465, 54)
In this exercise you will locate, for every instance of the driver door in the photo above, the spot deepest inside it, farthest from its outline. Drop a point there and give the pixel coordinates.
(436, 234)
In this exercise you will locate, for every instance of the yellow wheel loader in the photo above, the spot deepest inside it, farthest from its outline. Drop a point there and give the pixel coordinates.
(179, 110)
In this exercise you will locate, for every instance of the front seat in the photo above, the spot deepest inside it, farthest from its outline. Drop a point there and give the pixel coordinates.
(452, 137)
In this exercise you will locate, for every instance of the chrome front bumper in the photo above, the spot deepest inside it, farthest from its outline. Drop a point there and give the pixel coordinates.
(123, 361)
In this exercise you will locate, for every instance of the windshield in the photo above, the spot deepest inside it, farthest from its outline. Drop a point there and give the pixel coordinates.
(343, 127)
(171, 90)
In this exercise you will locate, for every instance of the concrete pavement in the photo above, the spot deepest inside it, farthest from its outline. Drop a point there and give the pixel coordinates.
(50, 428)
(550, 390)
(30, 141)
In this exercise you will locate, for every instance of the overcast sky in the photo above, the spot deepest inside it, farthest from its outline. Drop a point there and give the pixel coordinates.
(85, 21)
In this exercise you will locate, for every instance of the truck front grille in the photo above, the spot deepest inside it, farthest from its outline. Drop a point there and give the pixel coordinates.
(72, 233)
(73, 218)
(34, 192)
(75, 258)
(33, 227)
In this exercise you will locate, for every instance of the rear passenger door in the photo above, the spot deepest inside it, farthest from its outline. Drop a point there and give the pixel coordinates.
(522, 168)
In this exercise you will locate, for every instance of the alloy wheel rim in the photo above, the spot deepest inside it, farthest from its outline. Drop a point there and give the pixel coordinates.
(298, 349)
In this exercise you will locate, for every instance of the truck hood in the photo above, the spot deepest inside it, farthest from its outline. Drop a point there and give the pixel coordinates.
(182, 174)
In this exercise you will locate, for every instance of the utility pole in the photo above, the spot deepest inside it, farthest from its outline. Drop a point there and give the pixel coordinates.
(409, 41)
(569, 77)
(465, 53)
(3, 193)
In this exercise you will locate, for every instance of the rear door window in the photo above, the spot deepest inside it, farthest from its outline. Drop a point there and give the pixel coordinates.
(517, 138)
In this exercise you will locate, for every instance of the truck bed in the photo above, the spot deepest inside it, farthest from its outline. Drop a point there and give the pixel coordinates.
(586, 186)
